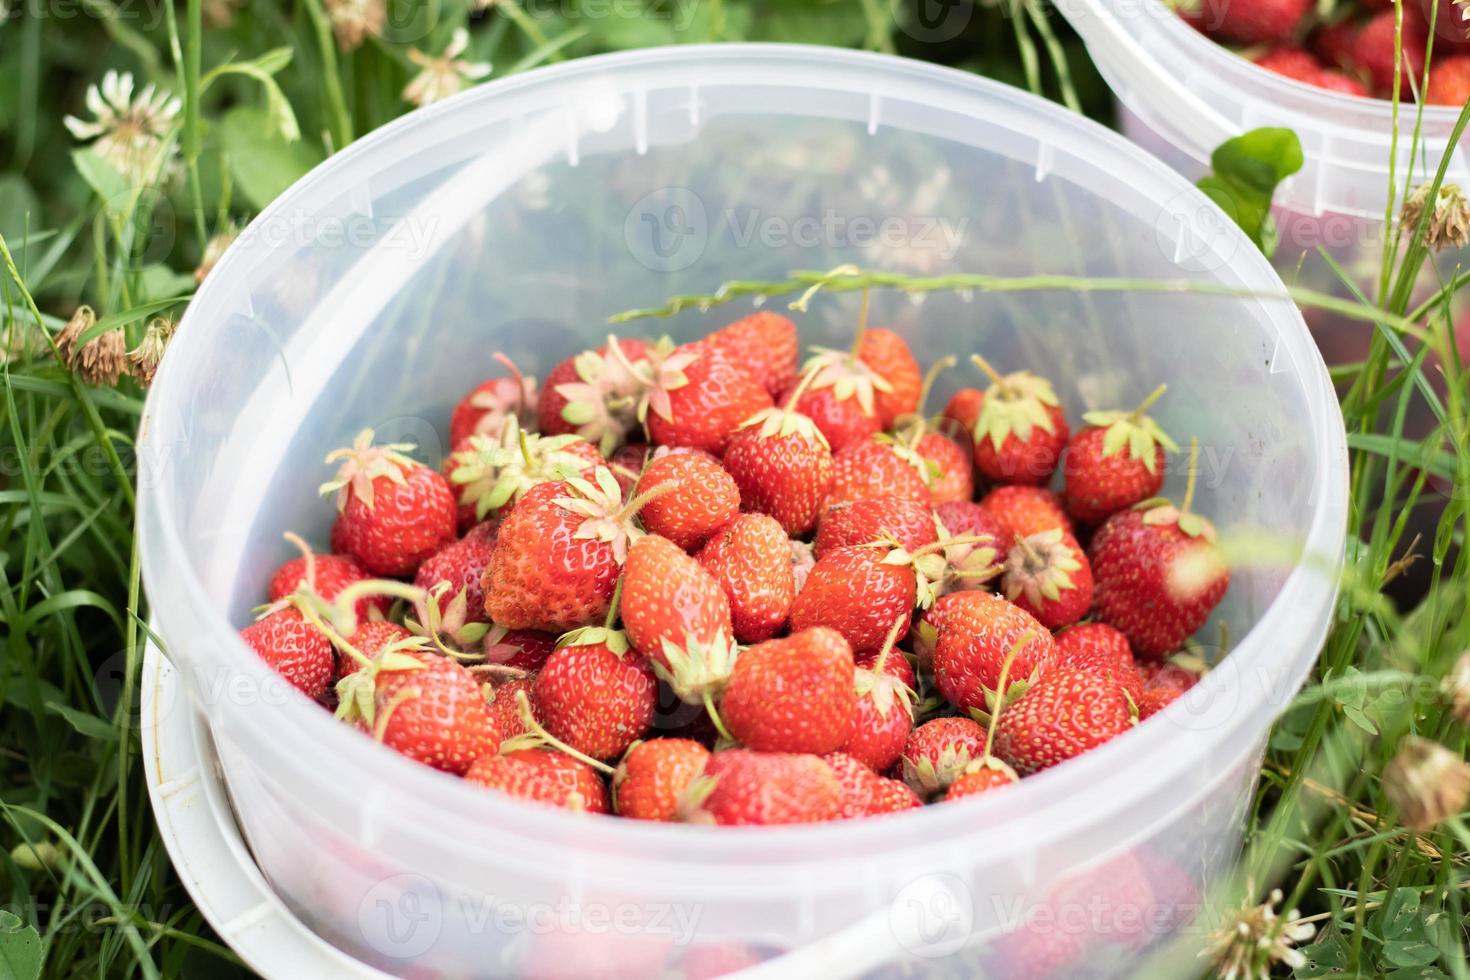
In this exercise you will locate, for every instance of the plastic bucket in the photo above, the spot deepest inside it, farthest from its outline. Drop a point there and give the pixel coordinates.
(518, 217)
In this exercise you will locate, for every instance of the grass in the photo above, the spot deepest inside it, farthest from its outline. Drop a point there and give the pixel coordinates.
(265, 92)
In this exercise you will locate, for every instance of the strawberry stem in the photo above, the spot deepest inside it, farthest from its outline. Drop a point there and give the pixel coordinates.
(524, 441)
(714, 717)
(295, 539)
(622, 358)
(633, 506)
(800, 303)
(1148, 402)
(304, 604)
(523, 708)
(862, 330)
(612, 607)
(889, 641)
(801, 389)
(990, 372)
(929, 549)
(1193, 475)
(517, 377)
(940, 366)
(380, 726)
(1000, 690)
(345, 603)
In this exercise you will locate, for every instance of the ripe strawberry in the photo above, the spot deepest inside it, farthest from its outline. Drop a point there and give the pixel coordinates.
(332, 574)
(1292, 62)
(374, 638)
(1064, 713)
(889, 357)
(654, 775)
(596, 694)
(792, 695)
(859, 593)
(594, 394)
(677, 616)
(558, 555)
(703, 498)
(1449, 81)
(1115, 462)
(1027, 510)
(1333, 43)
(423, 706)
(1373, 51)
(505, 710)
(950, 465)
(1021, 430)
(740, 788)
(293, 648)
(841, 421)
(1336, 81)
(783, 467)
(393, 512)
(977, 633)
(883, 714)
(698, 397)
(896, 666)
(865, 793)
(1099, 648)
(1153, 701)
(522, 649)
(485, 409)
(1047, 575)
(875, 469)
(925, 632)
(963, 411)
(543, 776)
(1250, 21)
(1175, 674)
(981, 776)
(492, 471)
(751, 560)
(910, 523)
(765, 343)
(937, 753)
(970, 565)
(1159, 574)
(452, 577)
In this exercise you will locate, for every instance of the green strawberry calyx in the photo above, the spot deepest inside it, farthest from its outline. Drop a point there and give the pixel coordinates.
(929, 563)
(357, 693)
(697, 670)
(491, 472)
(785, 421)
(362, 464)
(1135, 430)
(882, 687)
(968, 563)
(588, 636)
(1161, 512)
(1041, 567)
(847, 376)
(439, 621)
(602, 405)
(608, 519)
(1014, 404)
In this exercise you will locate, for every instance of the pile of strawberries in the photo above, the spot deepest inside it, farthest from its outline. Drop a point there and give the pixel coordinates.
(694, 583)
(1350, 50)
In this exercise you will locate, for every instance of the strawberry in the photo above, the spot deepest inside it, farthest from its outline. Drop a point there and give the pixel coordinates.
(950, 466)
(803, 560)
(1047, 575)
(880, 373)
(485, 409)
(1292, 62)
(392, 512)
(542, 776)
(372, 639)
(981, 776)
(1115, 462)
(703, 498)
(876, 469)
(1374, 47)
(523, 649)
(859, 592)
(783, 467)
(558, 555)
(492, 471)
(423, 706)
(452, 578)
(1159, 574)
(792, 695)
(1250, 21)
(841, 421)
(1025, 511)
(1021, 430)
(505, 709)
(740, 788)
(1449, 81)
(937, 753)
(1336, 81)
(883, 712)
(909, 523)
(896, 666)
(595, 694)
(1153, 701)
(977, 633)
(765, 343)
(970, 565)
(1177, 674)
(1333, 43)
(751, 560)
(653, 776)
(865, 793)
(1063, 714)
(293, 648)
(962, 412)
(697, 397)
(925, 632)
(1099, 648)
(332, 574)
(595, 394)
(677, 616)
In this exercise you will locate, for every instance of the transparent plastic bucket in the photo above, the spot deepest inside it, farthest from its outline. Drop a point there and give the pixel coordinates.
(517, 218)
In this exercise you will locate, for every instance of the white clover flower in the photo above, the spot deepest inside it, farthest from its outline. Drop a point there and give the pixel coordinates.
(129, 133)
(445, 75)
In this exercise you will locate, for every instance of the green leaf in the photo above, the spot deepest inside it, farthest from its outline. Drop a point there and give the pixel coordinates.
(1247, 171)
(100, 175)
(1410, 953)
(262, 162)
(20, 948)
(1327, 957)
(84, 722)
(842, 22)
(161, 282)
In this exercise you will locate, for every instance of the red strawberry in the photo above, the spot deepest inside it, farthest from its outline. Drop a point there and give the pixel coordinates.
(883, 714)
(865, 793)
(909, 523)
(1027, 510)
(981, 776)
(1250, 21)
(926, 628)
(523, 649)
(889, 357)
(423, 706)
(1115, 462)
(765, 343)
(951, 467)
(1159, 574)
(485, 410)
(751, 560)
(596, 694)
(1021, 430)
(1336, 81)
(374, 638)
(740, 787)
(970, 565)
(293, 648)
(505, 709)
(1449, 81)
(452, 577)
(875, 469)
(654, 775)
(1047, 575)
(1153, 701)
(677, 616)
(792, 695)
(977, 634)
(937, 753)
(783, 467)
(393, 512)
(490, 472)
(1099, 648)
(963, 411)
(1174, 674)
(841, 421)
(1065, 713)
(703, 498)
(1333, 43)
(698, 397)
(333, 573)
(594, 394)
(859, 593)
(542, 776)
(1292, 62)
(896, 666)
(1373, 51)
(558, 555)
